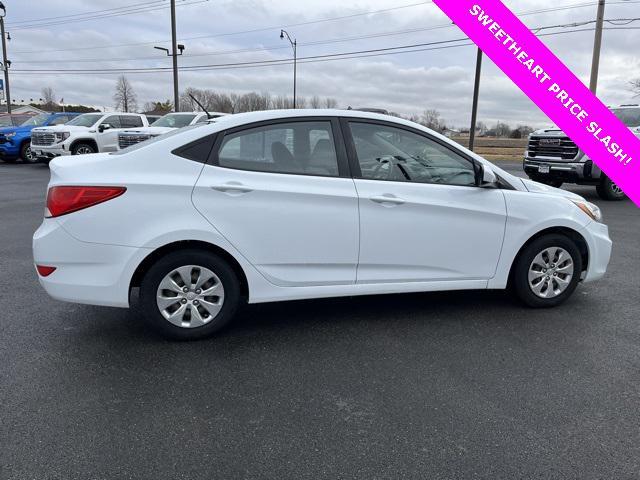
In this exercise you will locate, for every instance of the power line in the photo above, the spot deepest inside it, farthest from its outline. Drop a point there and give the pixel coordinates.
(330, 19)
(34, 20)
(313, 43)
(309, 59)
(114, 14)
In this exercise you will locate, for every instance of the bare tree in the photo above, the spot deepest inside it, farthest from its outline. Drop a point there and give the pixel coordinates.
(635, 86)
(431, 119)
(315, 102)
(125, 97)
(48, 98)
(330, 103)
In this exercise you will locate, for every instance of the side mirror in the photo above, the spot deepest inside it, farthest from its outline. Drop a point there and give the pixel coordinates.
(485, 176)
(103, 126)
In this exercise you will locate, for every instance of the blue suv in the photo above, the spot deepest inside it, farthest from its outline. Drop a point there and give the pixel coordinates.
(15, 142)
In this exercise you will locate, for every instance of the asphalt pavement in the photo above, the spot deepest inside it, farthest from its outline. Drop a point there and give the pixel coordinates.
(424, 386)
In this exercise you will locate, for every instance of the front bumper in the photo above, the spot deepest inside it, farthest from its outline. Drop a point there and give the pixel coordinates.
(566, 171)
(91, 273)
(599, 245)
(50, 151)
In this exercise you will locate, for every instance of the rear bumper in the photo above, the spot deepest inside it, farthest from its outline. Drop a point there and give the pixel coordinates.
(90, 273)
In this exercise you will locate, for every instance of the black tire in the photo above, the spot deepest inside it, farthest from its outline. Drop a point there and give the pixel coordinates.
(520, 277)
(165, 265)
(26, 154)
(83, 149)
(608, 190)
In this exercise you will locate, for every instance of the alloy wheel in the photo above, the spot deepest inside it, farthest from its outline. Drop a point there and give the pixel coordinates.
(84, 150)
(190, 296)
(550, 272)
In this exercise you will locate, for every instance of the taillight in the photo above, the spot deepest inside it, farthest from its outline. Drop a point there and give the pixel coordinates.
(66, 199)
(45, 270)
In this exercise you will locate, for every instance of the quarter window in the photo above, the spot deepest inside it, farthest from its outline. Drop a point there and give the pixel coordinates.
(389, 153)
(297, 147)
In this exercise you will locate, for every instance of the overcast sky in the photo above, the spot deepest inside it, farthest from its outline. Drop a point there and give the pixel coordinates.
(406, 83)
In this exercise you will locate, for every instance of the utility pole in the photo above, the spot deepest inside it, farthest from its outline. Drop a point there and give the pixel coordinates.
(174, 50)
(476, 93)
(597, 43)
(5, 62)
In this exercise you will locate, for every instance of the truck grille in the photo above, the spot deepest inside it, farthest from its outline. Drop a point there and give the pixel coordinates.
(42, 138)
(127, 139)
(554, 147)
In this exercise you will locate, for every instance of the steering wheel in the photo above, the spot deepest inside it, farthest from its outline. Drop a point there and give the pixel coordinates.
(387, 159)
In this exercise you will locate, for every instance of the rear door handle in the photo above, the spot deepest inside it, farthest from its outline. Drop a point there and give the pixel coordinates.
(232, 187)
(388, 199)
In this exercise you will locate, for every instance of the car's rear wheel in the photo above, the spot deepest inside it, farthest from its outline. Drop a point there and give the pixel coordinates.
(83, 149)
(26, 154)
(608, 190)
(547, 271)
(189, 294)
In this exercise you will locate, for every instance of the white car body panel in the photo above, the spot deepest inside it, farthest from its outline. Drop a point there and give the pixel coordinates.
(296, 236)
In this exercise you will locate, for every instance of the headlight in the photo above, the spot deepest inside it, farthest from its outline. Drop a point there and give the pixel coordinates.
(10, 134)
(590, 209)
(61, 136)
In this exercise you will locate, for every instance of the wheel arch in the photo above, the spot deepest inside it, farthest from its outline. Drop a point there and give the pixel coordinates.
(574, 235)
(159, 252)
(89, 141)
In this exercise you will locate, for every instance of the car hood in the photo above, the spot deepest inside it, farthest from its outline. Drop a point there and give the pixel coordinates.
(537, 187)
(150, 130)
(555, 131)
(6, 130)
(62, 128)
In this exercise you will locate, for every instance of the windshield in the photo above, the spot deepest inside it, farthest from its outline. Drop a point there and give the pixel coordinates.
(36, 121)
(85, 120)
(158, 138)
(174, 120)
(629, 116)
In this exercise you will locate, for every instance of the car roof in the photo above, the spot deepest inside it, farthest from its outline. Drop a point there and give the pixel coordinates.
(239, 119)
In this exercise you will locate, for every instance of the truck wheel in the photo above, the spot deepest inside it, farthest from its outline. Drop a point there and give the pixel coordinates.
(607, 190)
(26, 154)
(547, 271)
(189, 294)
(82, 149)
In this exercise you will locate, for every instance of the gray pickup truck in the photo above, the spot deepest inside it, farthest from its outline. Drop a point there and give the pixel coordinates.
(553, 158)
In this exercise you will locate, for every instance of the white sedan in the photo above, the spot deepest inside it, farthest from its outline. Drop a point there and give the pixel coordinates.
(294, 204)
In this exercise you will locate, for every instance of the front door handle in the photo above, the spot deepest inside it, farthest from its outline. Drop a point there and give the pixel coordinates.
(232, 187)
(388, 199)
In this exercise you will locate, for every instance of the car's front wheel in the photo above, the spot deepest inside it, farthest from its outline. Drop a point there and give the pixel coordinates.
(83, 149)
(608, 190)
(26, 154)
(547, 271)
(189, 294)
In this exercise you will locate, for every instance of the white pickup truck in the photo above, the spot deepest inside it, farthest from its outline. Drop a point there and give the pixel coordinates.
(554, 159)
(87, 133)
(165, 124)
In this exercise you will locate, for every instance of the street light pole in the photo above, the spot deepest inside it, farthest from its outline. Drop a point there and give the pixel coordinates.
(597, 43)
(5, 62)
(294, 45)
(476, 93)
(174, 50)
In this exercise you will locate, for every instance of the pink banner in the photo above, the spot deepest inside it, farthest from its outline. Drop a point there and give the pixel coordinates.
(551, 86)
